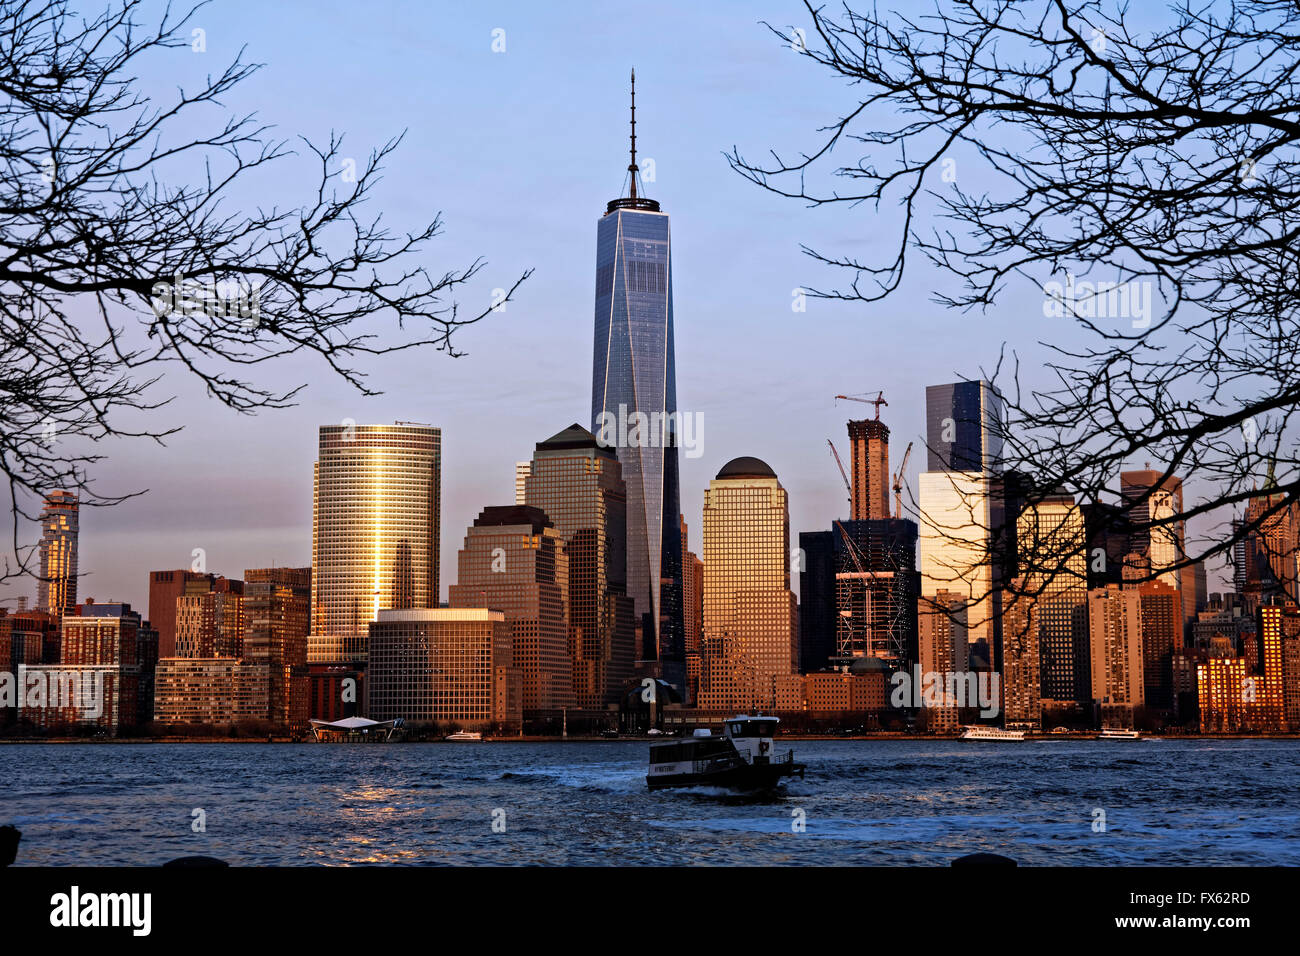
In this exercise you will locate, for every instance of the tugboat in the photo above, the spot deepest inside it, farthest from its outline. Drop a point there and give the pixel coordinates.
(742, 758)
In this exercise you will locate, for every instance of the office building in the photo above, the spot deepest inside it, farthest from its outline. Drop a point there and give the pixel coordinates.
(578, 485)
(446, 666)
(1152, 501)
(634, 410)
(375, 531)
(750, 621)
(277, 615)
(514, 561)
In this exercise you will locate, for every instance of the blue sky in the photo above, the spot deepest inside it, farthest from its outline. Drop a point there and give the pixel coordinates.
(520, 150)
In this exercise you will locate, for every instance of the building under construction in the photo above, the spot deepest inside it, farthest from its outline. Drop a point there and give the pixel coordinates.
(859, 584)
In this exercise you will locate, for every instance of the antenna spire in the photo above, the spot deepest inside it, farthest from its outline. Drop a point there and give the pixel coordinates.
(632, 168)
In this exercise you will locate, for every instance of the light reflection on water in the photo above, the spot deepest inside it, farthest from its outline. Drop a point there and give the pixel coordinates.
(864, 802)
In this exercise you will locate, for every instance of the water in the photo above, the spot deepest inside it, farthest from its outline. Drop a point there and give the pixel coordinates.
(863, 802)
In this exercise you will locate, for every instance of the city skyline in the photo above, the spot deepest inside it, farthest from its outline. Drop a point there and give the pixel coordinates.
(755, 384)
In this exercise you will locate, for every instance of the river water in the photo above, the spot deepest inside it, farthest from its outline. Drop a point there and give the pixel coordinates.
(1055, 802)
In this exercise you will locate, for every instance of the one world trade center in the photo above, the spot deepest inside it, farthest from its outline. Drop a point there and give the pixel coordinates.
(634, 406)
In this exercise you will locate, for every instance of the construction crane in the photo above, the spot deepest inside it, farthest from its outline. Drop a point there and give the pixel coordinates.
(877, 401)
(843, 474)
(898, 482)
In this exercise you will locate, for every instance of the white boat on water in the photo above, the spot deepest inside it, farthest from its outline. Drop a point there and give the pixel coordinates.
(1111, 733)
(464, 735)
(992, 733)
(744, 758)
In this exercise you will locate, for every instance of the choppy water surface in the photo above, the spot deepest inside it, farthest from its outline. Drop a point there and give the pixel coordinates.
(863, 802)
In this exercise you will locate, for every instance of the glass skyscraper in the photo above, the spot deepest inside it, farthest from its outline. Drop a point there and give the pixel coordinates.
(961, 504)
(633, 408)
(375, 531)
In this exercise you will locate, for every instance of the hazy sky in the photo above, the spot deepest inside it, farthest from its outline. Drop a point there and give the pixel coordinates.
(520, 151)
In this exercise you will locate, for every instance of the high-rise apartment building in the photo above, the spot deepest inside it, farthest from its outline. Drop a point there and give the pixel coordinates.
(1022, 698)
(942, 648)
(211, 624)
(57, 588)
(165, 587)
(277, 617)
(375, 531)
(1115, 630)
(514, 561)
(634, 409)
(578, 484)
(750, 623)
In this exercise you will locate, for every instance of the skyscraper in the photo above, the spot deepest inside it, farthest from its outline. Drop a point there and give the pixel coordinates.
(749, 610)
(1115, 630)
(942, 648)
(1151, 500)
(869, 454)
(375, 531)
(634, 408)
(277, 615)
(514, 562)
(963, 427)
(1053, 581)
(960, 502)
(1022, 707)
(57, 588)
(165, 587)
(578, 484)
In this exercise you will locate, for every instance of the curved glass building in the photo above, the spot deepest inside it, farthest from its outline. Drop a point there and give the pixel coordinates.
(375, 527)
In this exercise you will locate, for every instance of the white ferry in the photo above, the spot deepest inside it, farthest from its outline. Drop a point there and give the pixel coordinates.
(464, 735)
(742, 758)
(1111, 733)
(992, 733)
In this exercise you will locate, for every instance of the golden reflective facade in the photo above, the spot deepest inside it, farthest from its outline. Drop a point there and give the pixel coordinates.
(57, 588)
(750, 634)
(375, 531)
